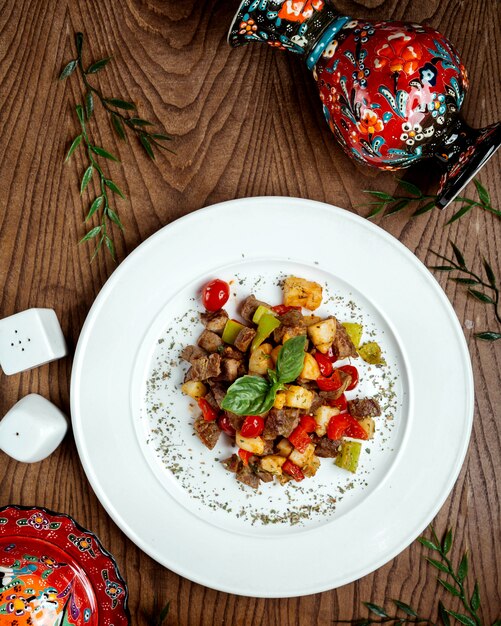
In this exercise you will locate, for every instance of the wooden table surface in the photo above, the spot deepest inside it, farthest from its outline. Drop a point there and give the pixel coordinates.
(246, 122)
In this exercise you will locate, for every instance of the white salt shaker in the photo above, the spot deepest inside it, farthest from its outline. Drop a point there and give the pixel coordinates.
(32, 429)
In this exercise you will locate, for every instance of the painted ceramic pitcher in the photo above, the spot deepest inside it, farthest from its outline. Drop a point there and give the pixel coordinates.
(391, 91)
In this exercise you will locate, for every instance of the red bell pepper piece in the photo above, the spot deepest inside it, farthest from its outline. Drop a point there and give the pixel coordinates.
(331, 355)
(253, 426)
(333, 383)
(245, 455)
(355, 430)
(223, 421)
(299, 438)
(324, 364)
(281, 309)
(308, 423)
(341, 403)
(209, 414)
(293, 470)
(352, 371)
(337, 426)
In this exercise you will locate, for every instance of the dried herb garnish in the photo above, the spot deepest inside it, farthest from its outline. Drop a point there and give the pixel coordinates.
(453, 580)
(123, 118)
(472, 282)
(392, 204)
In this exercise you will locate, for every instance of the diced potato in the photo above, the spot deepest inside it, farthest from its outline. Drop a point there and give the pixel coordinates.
(311, 319)
(298, 397)
(279, 400)
(310, 469)
(284, 447)
(274, 354)
(283, 479)
(194, 389)
(322, 417)
(354, 331)
(251, 444)
(322, 334)
(369, 425)
(302, 292)
(260, 360)
(272, 463)
(302, 458)
(311, 370)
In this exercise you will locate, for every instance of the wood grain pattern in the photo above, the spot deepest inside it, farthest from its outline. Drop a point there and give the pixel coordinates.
(172, 58)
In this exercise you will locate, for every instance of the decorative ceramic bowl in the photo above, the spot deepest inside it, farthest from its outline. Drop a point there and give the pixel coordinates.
(53, 572)
(391, 91)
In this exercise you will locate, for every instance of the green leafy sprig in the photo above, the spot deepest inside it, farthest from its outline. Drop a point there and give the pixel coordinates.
(451, 579)
(472, 282)
(163, 615)
(392, 204)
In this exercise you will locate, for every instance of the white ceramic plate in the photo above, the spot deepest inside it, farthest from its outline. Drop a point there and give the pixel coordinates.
(172, 497)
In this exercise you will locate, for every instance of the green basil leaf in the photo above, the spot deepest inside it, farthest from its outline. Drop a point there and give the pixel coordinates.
(374, 608)
(246, 396)
(73, 147)
(290, 360)
(68, 70)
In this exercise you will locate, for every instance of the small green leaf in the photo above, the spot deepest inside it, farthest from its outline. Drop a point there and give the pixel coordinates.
(463, 567)
(79, 42)
(91, 234)
(377, 610)
(161, 137)
(462, 211)
(479, 295)
(381, 195)
(110, 245)
(440, 566)
(104, 153)
(86, 178)
(483, 194)
(163, 615)
(443, 614)
(68, 70)
(111, 185)
(450, 588)
(73, 147)
(447, 541)
(458, 255)
(464, 619)
(290, 359)
(80, 114)
(442, 268)
(425, 208)
(497, 623)
(247, 396)
(408, 610)
(121, 104)
(464, 281)
(490, 273)
(98, 247)
(137, 121)
(488, 335)
(118, 126)
(94, 207)
(114, 218)
(413, 189)
(89, 104)
(427, 543)
(397, 207)
(147, 146)
(475, 598)
(98, 65)
(377, 209)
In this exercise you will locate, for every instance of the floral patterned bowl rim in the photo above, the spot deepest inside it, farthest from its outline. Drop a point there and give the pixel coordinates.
(53, 529)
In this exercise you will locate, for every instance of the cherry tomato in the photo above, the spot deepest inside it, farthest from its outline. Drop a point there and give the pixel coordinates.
(324, 363)
(245, 455)
(293, 470)
(341, 403)
(280, 309)
(215, 294)
(353, 372)
(223, 421)
(253, 426)
(337, 426)
(308, 423)
(333, 383)
(209, 414)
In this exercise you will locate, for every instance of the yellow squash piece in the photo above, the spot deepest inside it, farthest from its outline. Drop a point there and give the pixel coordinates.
(354, 332)
(371, 353)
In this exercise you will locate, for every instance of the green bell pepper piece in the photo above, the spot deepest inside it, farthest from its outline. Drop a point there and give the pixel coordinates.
(350, 453)
(260, 311)
(267, 324)
(231, 330)
(354, 332)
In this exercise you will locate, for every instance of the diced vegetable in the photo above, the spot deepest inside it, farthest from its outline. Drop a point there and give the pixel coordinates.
(311, 319)
(340, 403)
(298, 397)
(245, 455)
(369, 425)
(300, 438)
(292, 331)
(272, 463)
(194, 389)
(349, 455)
(209, 414)
(371, 353)
(223, 421)
(266, 326)
(352, 371)
(354, 429)
(308, 423)
(324, 363)
(251, 444)
(322, 334)
(281, 309)
(293, 470)
(279, 400)
(260, 360)
(253, 426)
(284, 447)
(274, 354)
(302, 458)
(311, 370)
(333, 383)
(310, 469)
(303, 293)
(354, 332)
(231, 330)
(215, 294)
(323, 416)
(337, 426)
(260, 311)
